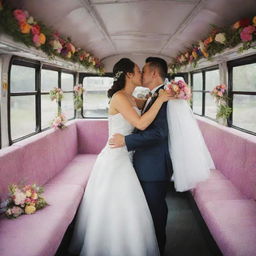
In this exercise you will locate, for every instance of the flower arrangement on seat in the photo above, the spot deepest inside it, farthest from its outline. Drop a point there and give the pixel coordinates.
(219, 93)
(24, 200)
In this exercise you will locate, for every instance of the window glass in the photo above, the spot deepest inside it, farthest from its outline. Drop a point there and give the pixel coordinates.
(212, 78)
(210, 106)
(67, 82)
(197, 102)
(67, 105)
(197, 81)
(22, 79)
(244, 111)
(177, 78)
(48, 111)
(49, 80)
(95, 96)
(244, 78)
(23, 117)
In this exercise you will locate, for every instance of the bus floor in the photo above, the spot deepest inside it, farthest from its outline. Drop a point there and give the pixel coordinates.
(187, 234)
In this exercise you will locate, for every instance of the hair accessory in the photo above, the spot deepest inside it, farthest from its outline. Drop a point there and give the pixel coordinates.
(118, 74)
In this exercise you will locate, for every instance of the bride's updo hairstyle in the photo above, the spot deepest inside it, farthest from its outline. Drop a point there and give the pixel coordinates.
(120, 69)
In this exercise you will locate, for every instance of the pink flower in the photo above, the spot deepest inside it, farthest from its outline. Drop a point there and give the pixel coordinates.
(246, 34)
(16, 211)
(179, 89)
(36, 40)
(19, 15)
(249, 29)
(35, 30)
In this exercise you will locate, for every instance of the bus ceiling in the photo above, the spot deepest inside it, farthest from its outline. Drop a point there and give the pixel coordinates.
(111, 29)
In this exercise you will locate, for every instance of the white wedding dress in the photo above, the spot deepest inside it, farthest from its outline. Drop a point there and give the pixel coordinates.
(114, 218)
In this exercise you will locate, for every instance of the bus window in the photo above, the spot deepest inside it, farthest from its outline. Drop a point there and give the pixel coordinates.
(212, 78)
(95, 96)
(22, 101)
(177, 78)
(197, 93)
(67, 103)
(244, 96)
(49, 80)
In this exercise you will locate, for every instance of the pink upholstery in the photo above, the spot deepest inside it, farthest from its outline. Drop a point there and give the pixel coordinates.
(225, 200)
(92, 136)
(41, 233)
(10, 168)
(233, 225)
(77, 172)
(233, 153)
(49, 158)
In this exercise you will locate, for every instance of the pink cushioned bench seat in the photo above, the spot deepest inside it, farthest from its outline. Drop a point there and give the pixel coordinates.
(227, 199)
(62, 161)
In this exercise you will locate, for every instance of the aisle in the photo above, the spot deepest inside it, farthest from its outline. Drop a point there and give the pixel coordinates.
(186, 232)
(185, 235)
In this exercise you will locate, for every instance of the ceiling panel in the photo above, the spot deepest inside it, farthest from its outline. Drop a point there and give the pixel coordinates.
(160, 17)
(110, 27)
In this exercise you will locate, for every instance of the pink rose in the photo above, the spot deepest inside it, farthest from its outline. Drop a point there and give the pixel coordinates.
(36, 40)
(19, 15)
(249, 29)
(246, 34)
(35, 30)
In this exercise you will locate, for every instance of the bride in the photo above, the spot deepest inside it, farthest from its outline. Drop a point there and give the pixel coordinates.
(114, 218)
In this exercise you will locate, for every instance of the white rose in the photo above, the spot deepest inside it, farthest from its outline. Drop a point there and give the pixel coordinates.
(220, 38)
(19, 197)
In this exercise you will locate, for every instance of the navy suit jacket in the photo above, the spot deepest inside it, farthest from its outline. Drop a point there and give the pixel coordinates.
(151, 158)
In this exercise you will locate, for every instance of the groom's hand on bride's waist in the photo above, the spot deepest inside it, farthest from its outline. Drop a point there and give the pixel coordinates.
(116, 141)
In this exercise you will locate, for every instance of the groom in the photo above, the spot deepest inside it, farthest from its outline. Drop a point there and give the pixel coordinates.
(151, 158)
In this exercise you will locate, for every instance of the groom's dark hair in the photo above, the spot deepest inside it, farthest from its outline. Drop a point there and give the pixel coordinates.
(160, 64)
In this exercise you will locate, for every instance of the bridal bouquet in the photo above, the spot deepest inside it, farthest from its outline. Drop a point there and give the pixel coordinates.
(179, 89)
(24, 200)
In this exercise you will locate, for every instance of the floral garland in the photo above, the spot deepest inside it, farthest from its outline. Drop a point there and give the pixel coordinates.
(78, 92)
(242, 31)
(24, 28)
(60, 119)
(219, 93)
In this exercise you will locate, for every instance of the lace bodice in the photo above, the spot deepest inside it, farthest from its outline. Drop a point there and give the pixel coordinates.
(117, 124)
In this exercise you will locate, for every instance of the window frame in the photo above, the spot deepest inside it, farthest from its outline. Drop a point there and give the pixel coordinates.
(22, 61)
(25, 63)
(60, 71)
(203, 91)
(231, 64)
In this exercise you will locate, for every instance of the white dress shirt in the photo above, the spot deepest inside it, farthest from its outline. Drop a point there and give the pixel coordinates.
(149, 99)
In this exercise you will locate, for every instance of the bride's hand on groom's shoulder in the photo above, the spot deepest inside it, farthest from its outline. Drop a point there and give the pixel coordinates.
(116, 141)
(165, 95)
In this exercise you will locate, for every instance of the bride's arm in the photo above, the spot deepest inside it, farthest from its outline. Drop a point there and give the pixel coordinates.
(122, 105)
